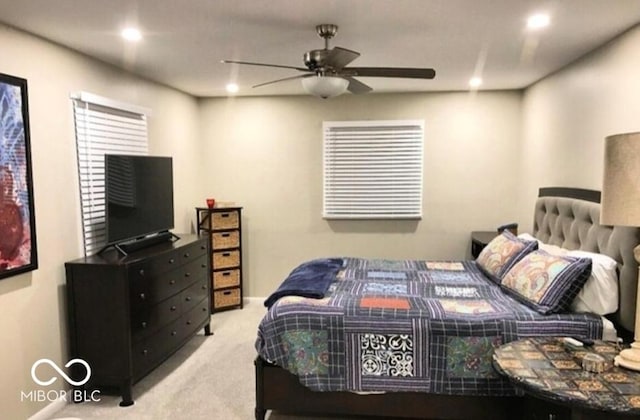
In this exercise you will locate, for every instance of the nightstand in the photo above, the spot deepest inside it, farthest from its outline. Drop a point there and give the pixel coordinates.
(479, 240)
(546, 369)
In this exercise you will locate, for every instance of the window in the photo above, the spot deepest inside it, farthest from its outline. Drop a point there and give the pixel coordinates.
(102, 126)
(373, 169)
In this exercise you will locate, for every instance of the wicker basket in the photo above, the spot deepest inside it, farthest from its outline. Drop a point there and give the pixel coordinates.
(222, 240)
(226, 259)
(227, 278)
(225, 220)
(226, 298)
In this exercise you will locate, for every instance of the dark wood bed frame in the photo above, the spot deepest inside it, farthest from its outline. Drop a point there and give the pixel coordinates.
(277, 389)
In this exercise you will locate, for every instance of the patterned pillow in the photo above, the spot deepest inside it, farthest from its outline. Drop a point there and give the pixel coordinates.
(547, 283)
(502, 253)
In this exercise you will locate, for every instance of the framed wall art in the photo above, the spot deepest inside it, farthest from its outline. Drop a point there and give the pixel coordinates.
(18, 251)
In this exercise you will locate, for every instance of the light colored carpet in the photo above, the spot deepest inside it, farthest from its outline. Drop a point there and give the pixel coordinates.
(209, 378)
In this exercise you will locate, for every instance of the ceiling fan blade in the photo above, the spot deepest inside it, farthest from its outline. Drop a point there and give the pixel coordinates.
(264, 65)
(340, 57)
(356, 86)
(300, 76)
(405, 72)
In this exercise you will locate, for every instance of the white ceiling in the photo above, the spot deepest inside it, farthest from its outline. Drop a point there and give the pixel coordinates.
(184, 40)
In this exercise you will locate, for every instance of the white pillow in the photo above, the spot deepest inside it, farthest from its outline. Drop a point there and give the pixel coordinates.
(600, 293)
(527, 237)
(549, 249)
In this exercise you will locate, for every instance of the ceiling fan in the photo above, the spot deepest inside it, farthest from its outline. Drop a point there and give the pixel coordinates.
(326, 73)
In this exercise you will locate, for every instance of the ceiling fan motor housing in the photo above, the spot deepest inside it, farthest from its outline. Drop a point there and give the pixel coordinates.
(315, 60)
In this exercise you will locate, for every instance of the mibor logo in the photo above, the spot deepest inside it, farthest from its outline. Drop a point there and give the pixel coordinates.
(42, 376)
(60, 372)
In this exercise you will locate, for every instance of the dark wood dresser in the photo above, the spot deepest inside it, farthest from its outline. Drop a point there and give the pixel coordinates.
(127, 314)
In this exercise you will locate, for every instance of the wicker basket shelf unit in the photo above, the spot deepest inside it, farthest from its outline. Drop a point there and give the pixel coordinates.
(223, 225)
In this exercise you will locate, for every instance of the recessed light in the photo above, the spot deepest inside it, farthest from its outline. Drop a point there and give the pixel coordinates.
(538, 21)
(475, 82)
(232, 88)
(131, 34)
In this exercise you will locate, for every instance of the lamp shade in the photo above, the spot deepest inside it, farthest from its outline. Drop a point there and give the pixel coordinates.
(325, 86)
(621, 182)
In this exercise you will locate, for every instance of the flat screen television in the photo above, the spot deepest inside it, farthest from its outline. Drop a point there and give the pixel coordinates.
(139, 196)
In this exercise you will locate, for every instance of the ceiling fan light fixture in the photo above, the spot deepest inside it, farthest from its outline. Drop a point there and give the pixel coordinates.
(325, 86)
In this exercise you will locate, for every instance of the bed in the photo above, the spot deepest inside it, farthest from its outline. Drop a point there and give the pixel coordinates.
(413, 339)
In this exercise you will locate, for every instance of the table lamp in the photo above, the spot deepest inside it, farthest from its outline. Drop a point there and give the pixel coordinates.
(621, 207)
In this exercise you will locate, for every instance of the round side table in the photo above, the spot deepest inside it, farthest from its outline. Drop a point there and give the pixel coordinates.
(546, 368)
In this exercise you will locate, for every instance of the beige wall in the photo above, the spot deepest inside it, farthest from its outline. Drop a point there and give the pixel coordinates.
(33, 321)
(567, 116)
(265, 153)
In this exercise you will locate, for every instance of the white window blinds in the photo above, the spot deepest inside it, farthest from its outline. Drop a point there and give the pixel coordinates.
(102, 126)
(373, 169)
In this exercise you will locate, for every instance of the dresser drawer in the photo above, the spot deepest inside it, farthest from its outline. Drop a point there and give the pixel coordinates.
(224, 298)
(222, 240)
(150, 290)
(194, 271)
(226, 259)
(148, 352)
(225, 220)
(194, 294)
(192, 252)
(147, 319)
(168, 261)
(227, 278)
(194, 318)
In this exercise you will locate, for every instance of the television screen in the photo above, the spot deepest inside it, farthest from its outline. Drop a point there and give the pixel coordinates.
(139, 196)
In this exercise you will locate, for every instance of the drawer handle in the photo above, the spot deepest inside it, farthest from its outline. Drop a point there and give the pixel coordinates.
(188, 299)
(204, 287)
(204, 309)
(225, 215)
(226, 273)
(203, 247)
(143, 296)
(188, 322)
(144, 325)
(172, 282)
(227, 293)
(141, 272)
(171, 261)
(173, 333)
(226, 235)
(226, 254)
(186, 255)
(145, 352)
(173, 308)
(203, 265)
(187, 274)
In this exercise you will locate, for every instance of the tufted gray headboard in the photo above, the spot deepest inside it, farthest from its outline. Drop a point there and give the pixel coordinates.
(569, 217)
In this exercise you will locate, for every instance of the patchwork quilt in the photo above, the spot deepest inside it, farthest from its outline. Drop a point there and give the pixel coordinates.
(414, 326)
